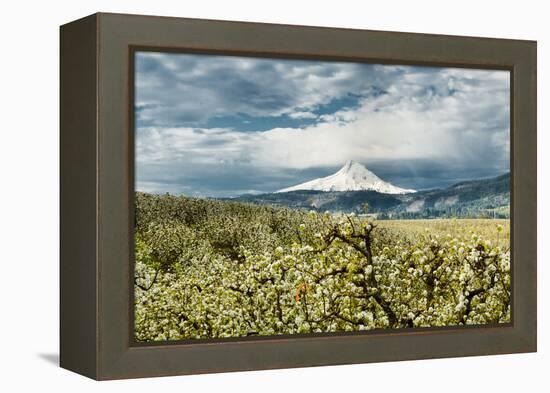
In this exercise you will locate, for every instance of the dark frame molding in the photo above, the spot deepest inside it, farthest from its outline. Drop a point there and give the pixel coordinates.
(97, 195)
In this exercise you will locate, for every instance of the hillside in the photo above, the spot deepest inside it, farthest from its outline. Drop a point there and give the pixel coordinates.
(217, 269)
(475, 198)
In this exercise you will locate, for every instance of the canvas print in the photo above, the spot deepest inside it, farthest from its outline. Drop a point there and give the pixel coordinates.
(282, 196)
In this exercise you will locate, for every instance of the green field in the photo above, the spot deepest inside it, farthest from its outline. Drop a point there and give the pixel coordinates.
(208, 268)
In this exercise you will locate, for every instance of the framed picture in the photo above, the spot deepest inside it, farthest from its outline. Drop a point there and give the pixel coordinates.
(242, 196)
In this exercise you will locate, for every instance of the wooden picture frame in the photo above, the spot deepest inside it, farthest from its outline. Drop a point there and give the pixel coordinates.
(97, 195)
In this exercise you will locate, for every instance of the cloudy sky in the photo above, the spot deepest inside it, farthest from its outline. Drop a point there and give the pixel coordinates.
(224, 126)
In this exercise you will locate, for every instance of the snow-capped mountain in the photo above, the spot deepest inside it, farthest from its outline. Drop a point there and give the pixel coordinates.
(352, 177)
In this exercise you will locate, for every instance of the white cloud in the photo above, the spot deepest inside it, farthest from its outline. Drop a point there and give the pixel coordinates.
(303, 115)
(400, 125)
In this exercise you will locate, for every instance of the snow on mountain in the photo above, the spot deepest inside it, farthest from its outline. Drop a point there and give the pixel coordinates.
(352, 177)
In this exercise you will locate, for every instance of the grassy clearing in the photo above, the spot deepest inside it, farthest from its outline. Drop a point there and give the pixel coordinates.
(459, 228)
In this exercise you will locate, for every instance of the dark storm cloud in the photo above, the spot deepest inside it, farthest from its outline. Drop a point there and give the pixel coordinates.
(220, 180)
(424, 174)
(175, 90)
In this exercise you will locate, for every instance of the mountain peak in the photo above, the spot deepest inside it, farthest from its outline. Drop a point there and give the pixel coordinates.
(353, 176)
(349, 164)
(353, 166)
